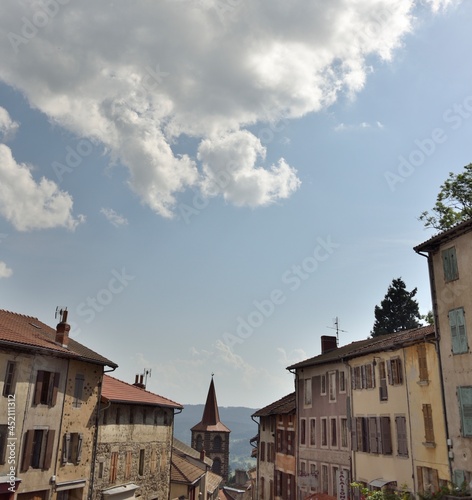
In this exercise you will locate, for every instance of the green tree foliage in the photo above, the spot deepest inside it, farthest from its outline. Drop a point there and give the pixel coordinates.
(453, 203)
(398, 310)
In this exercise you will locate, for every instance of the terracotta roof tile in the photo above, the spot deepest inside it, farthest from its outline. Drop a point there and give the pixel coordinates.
(444, 236)
(285, 405)
(117, 391)
(31, 333)
(376, 344)
(182, 471)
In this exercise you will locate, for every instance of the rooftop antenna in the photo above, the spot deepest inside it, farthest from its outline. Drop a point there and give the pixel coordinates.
(336, 327)
(60, 310)
(147, 373)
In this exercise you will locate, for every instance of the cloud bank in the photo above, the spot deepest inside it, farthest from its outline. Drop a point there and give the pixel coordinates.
(141, 76)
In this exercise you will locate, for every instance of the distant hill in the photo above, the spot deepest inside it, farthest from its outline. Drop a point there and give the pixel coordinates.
(236, 418)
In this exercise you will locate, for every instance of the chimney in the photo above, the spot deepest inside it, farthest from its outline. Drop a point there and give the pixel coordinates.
(139, 382)
(202, 455)
(62, 330)
(328, 343)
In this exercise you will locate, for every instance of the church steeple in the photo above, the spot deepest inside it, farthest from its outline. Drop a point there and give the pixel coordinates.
(212, 436)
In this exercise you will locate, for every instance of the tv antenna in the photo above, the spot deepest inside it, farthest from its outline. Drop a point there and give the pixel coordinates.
(60, 312)
(147, 373)
(336, 327)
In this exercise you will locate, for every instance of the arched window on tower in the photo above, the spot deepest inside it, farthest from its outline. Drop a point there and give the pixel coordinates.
(216, 466)
(217, 443)
(199, 443)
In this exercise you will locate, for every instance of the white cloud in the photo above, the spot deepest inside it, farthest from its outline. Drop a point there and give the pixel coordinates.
(30, 205)
(291, 357)
(143, 74)
(343, 127)
(113, 218)
(5, 271)
(8, 127)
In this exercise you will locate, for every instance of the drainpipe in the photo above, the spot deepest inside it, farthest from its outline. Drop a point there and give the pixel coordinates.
(95, 437)
(434, 301)
(409, 420)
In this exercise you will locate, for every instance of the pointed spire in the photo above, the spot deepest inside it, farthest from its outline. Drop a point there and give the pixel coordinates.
(211, 415)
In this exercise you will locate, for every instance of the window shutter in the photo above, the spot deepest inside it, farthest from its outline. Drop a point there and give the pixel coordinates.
(49, 449)
(428, 423)
(462, 335)
(39, 387)
(389, 372)
(354, 434)
(66, 448)
(363, 377)
(401, 436)
(373, 435)
(459, 477)
(379, 435)
(386, 436)
(419, 476)
(80, 439)
(55, 388)
(465, 401)
(25, 463)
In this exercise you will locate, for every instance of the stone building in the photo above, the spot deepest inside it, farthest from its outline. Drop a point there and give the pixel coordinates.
(212, 436)
(134, 442)
(53, 382)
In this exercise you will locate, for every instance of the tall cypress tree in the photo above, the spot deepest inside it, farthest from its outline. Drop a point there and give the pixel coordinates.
(398, 310)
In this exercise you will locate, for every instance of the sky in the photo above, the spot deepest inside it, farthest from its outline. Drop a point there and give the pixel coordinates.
(207, 184)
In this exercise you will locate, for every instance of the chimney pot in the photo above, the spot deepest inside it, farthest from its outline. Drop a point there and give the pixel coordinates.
(328, 343)
(62, 331)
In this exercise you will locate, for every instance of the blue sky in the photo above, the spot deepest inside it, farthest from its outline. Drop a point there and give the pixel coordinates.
(207, 185)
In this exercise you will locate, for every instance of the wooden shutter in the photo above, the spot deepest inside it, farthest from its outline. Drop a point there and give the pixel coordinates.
(450, 264)
(401, 436)
(354, 434)
(80, 439)
(28, 450)
(465, 401)
(419, 477)
(422, 362)
(55, 388)
(113, 466)
(389, 371)
(458, 331)
(386, 435)
(379, 435)
(66, 448)
(129, 457)
(49, 449)
(373, 448)
(428, 423)
(39, 387)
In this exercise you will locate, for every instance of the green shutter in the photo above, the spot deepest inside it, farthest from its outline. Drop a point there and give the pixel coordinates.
(465, 402)
(458, 331)
(459, 478)
(450, 264)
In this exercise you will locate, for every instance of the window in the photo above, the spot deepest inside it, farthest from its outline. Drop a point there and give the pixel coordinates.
(303, 431)
(78, 391)
(38, 449)
(428, 480)
(383, 392)
(402, 442)
(458, 331)
(334, 478)
(313, 431)
(450, 264)
(100, 469)
(128, 464)
(9, 385)
(199, 443)
(342, 381)
(332, 386)
(422, 362)
(217, 444)
(141, 462)
(113, 466)
(465, 404)
(45, 392)
(394, 368)
(308, 392)
(290, 439)
(334, 432)
(72, 448)
(428, 423)
(323, 384)
(313, 474)
(386, 435)
(324, 432)
(262, 488)
(356, 378)
(216, 466)
(3, 442)
(344, 443)
(373, 442)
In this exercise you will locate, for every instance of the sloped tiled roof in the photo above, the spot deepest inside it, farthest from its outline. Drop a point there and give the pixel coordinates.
(117, 391)
(388, 341)
(183, 471)
(184, 449)
(18, 330)
(444, 236)
(285, 405)
(213, 481)
(211, 416)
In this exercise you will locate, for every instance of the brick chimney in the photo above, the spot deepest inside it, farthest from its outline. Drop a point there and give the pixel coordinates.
(328, 343)
(202, 455)
(62, 331)
(139, 382)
